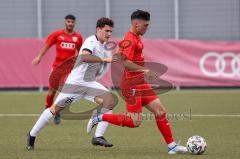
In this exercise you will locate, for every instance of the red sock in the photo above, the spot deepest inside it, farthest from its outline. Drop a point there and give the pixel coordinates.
(164, 127)
(119, 119)
(49, 100)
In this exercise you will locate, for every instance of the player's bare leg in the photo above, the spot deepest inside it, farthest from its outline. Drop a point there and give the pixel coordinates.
(41, 122)
(159, 111)
(108, 103)
(49, 101)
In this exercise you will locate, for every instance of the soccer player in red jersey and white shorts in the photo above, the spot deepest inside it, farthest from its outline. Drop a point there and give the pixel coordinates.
(68, 42)
(133, 72)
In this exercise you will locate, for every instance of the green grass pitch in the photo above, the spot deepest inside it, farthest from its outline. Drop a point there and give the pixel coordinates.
(69, 139)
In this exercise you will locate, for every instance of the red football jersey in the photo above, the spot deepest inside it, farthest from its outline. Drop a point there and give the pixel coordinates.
(66, 45)
(133, 52)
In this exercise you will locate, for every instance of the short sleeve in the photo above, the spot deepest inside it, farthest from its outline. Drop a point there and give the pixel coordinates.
(52, 39)
(88, 45)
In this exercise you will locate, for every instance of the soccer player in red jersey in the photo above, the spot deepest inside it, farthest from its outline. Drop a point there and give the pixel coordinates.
(133, 72)
(68, 42)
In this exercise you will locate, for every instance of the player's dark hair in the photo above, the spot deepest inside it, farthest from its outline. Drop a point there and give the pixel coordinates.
(70, 16)
(140, 14)
(104, 21)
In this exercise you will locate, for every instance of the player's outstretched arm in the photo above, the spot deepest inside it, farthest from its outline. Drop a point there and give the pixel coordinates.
(87, 57)
(137, 68)
(133, 66)
(42, 52)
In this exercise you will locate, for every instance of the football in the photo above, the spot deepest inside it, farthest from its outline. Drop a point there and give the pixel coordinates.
(196, 145)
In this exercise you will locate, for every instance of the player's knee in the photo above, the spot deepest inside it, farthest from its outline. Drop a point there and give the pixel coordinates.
(114, 100)
(51, 92)
(110, 101)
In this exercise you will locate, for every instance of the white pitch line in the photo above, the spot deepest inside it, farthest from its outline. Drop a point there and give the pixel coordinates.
(18, 115)
(216, 115)
(193, 115)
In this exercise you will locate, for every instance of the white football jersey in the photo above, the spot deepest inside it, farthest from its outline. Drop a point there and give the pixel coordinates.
(87, 72)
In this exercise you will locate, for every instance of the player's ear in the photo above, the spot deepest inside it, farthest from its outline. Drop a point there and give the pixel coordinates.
(132, 22)
(135, 23)
(97, 29)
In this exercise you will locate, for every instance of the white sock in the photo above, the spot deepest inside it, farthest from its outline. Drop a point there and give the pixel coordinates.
(42, 121)
(171, 145)
(102, 126)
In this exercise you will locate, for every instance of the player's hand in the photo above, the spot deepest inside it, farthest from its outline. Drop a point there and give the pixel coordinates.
(36, 60)
(114, 58)
(150, 75)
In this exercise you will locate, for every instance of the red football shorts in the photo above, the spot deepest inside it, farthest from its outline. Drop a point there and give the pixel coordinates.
(137, 94)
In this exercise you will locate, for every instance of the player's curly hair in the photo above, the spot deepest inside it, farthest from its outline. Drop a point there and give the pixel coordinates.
(140, 14)
(104, 21)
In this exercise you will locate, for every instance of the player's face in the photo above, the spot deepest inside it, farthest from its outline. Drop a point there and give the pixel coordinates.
(105, 33)
(142, 26)
(69, 24)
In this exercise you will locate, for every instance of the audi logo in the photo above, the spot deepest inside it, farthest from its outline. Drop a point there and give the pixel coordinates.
(67, 45)
(226, 64)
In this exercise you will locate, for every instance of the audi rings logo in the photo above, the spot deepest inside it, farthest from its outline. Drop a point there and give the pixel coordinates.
(226, 64)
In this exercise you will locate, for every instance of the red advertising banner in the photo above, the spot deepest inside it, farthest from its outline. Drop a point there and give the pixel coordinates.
(197, 63)
(16, 69)
(189, 62)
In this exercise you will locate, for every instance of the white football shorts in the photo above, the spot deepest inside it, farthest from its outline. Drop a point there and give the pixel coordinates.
(71, 93)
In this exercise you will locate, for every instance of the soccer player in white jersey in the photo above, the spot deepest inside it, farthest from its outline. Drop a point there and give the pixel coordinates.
(81, 83)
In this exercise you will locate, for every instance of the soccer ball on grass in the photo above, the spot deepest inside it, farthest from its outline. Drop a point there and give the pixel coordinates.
(196, 145)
